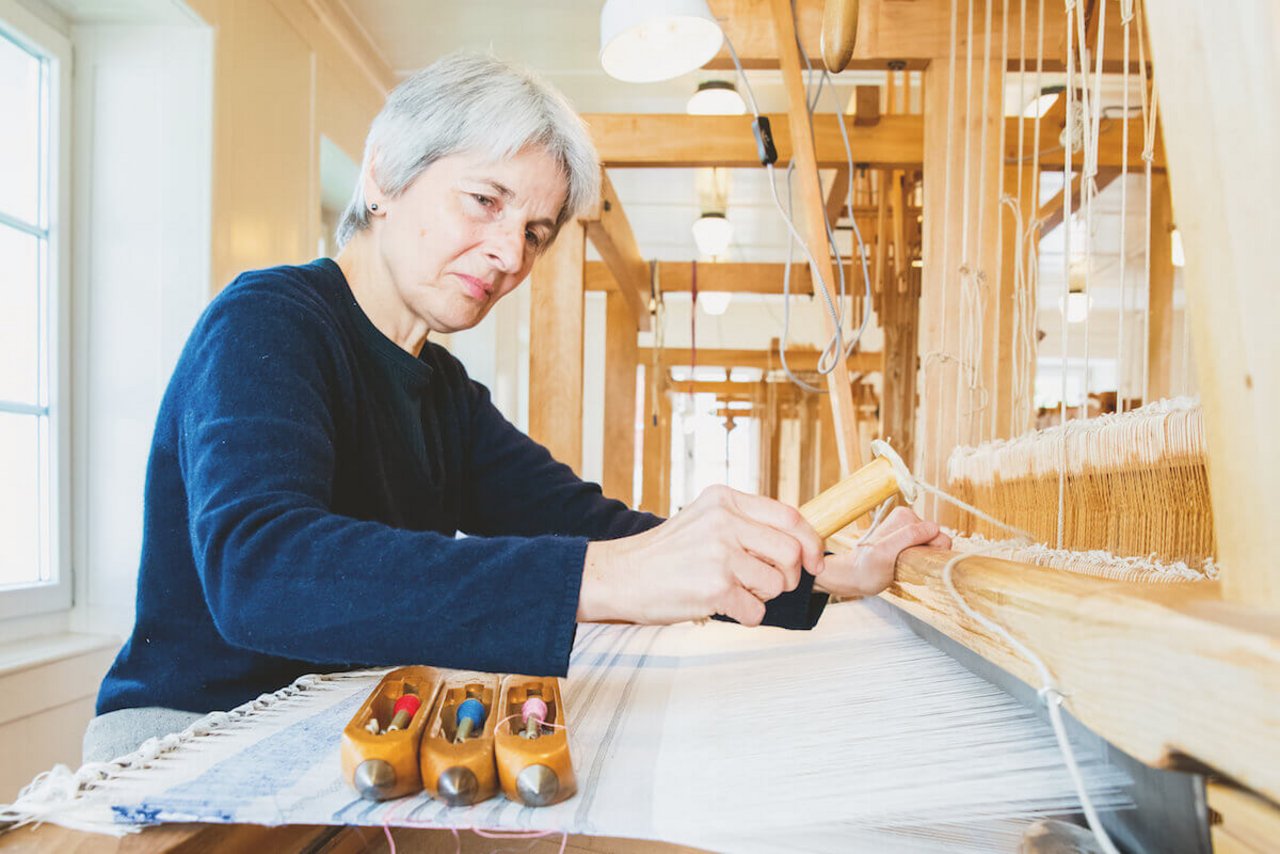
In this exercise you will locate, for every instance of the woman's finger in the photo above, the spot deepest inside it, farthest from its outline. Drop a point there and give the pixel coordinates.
(781, 552)
(917, 533)
(786, 519)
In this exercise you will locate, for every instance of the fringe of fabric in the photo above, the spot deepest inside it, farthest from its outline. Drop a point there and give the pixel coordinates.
(1095, 562)
(69, 796)
(1135, 484)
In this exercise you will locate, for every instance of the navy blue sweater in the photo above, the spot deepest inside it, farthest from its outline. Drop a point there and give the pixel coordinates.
(296, 520)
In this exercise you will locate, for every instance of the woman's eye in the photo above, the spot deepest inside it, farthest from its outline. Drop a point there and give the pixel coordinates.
(533, 238)
(482, 200)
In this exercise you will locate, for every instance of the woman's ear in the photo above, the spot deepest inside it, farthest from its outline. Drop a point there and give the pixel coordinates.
(375, 201)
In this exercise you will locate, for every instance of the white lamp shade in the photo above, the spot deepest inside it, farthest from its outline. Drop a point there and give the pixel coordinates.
(1177, 253)
(716, 98)
(715, 303)
(642, 41)
(712, 232)
(1076, 306)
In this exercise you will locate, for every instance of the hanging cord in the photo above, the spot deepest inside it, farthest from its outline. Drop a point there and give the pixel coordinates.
(1122, 360)
(836, 347)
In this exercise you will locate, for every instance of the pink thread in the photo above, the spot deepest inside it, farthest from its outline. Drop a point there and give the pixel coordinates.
(534, 707)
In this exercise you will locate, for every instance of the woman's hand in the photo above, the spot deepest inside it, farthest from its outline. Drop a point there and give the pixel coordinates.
(726, 553)
(868, 569)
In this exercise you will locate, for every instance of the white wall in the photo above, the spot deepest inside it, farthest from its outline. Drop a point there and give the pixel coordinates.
(141, 260)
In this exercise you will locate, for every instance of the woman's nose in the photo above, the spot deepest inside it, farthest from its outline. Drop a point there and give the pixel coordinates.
(505, 246)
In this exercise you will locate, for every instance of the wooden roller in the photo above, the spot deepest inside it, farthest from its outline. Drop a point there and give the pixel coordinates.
(839, 30)
(384, 764)
(535, 771)
(860, 492)
(461, 772)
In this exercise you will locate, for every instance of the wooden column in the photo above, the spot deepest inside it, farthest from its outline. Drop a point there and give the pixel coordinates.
(1217, 68)
(1160, 293)
(813, 214)
(618, 477)
(664, 455)
(651, 454)
(950, 416)
(806, 411)
(1012, 408)
(828, 458)
(555, 347)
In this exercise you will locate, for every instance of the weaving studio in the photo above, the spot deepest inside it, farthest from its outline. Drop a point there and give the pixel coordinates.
(626, 426)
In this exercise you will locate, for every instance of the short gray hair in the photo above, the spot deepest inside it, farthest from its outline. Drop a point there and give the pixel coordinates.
(468, 102)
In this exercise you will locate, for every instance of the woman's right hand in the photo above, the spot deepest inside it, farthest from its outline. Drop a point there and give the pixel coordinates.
(726, 553)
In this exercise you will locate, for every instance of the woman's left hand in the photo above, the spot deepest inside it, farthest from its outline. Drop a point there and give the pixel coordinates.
(868, 569)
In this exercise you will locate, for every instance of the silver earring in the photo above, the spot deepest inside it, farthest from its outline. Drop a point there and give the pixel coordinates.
(373, 207)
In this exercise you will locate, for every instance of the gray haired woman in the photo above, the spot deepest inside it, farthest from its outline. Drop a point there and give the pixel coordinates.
(315, 455)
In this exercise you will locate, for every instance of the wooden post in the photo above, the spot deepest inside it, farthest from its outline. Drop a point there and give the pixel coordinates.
(813, 212)
(1009, 416)
(1160, 293)
(651, 455)
(1216, 68)
(828, 459)
(806, 406)
(555, 348)
(664, 456)
(950, 413)
(618, 477)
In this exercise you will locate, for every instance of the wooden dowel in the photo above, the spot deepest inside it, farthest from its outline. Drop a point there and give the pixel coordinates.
(856, 495)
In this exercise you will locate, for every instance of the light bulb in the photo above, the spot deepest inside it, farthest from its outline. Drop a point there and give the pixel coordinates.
(715, 302)
(716, 98)
(1076, 306)
(1179, 257)
(712, 232)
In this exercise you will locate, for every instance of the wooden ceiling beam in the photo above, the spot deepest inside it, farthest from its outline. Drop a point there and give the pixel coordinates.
(892, 30)
(730, 277)
(611, 235)
(1051, 212)
(798, 359)
(676, 140)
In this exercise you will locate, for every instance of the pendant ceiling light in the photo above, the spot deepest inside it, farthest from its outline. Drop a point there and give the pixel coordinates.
(716, 98)
(712, 232)
(715, 303)
(642, 41)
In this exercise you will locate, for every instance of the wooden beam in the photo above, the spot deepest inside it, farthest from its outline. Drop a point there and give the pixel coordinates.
(675, 140)
(610, 233)
(1050, 213)
(910, 31)
(900, 319)
(678, 140)
(866, 100)
(798, 358)
(1163, 672)
(1214, 65)
(620, 362)
(837, 194)
(813, 215)
(732, 277)
(1160, 294)
(555, 347)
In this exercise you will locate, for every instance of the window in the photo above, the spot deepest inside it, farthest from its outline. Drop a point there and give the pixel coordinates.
(34, 69)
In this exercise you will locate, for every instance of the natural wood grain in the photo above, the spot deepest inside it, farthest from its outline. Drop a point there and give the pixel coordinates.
(1160, 293)
(1250, 825)
(555, 349)
(800, 359)
(620, 360)
(728, 276)
(611, 235)
(1216, 70)
(813, 210)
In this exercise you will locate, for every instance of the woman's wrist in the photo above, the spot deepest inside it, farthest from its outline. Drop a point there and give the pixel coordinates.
(598, 600)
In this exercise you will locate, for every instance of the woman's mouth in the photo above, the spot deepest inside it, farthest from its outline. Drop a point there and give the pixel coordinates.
(477, 289)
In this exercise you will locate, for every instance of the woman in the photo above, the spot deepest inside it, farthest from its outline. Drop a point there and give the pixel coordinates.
(315, 455)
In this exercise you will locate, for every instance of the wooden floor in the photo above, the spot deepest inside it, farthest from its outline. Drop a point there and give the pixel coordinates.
(197, 839)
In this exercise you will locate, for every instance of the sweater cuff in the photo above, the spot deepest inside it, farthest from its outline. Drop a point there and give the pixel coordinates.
(565, 628)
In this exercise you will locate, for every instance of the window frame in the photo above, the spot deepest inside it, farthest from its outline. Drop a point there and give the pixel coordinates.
(39, 37)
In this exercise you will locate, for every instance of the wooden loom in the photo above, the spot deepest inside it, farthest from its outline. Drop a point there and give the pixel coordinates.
(1184, 676)
(1178, 676)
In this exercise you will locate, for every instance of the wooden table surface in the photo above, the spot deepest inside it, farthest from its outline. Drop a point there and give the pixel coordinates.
(310, 839)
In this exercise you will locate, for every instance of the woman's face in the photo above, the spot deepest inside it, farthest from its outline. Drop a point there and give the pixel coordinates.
(467, 231)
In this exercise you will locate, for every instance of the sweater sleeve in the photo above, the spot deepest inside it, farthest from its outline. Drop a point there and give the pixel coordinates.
(284, 575)
(516, 487)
